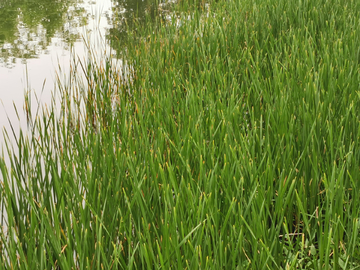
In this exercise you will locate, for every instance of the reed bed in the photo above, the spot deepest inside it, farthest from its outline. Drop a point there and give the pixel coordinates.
(233, 143)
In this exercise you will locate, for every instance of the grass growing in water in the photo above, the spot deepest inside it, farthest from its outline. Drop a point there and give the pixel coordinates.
(235, 145)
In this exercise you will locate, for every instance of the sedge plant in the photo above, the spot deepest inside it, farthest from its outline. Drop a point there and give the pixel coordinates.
(230, 141)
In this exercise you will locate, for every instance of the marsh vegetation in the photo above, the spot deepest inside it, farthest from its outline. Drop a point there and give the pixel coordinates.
(232, 143)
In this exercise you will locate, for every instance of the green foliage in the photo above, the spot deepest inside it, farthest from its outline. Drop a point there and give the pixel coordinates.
(228, 140)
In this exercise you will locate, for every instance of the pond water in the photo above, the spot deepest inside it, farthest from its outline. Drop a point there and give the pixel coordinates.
(37, 37)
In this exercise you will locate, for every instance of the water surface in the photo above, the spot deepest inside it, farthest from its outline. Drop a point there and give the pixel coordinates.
(38, 36)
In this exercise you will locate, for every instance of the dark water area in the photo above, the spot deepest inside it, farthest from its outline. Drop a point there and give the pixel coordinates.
(39, 37)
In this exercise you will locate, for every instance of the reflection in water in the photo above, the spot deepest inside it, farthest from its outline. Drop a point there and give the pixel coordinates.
(27, 27)
(128, 14)
(35, 41)
(41, 34)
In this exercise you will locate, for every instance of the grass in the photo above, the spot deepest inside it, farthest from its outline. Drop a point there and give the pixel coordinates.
(232, 143)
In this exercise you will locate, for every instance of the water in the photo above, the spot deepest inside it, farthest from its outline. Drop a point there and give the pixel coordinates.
(38, 36)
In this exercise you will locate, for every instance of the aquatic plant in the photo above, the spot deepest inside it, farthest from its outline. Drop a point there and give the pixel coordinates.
(231, 143)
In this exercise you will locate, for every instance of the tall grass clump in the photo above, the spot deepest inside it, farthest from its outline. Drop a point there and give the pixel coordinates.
(231, 141)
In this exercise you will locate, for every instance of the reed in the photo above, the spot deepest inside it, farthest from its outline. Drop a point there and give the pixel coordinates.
(232, 143)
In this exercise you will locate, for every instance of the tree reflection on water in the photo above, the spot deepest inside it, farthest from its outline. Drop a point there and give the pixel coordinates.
(129, 14)
(27, 27)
